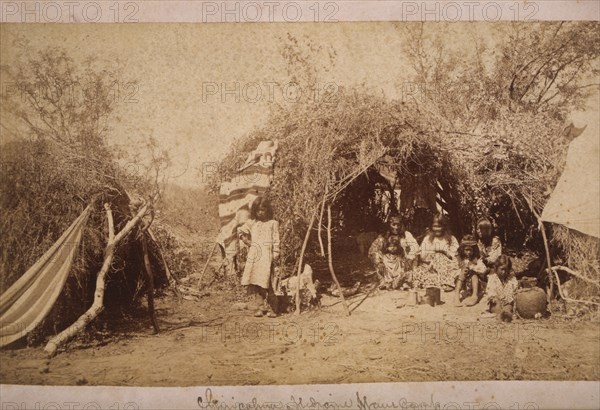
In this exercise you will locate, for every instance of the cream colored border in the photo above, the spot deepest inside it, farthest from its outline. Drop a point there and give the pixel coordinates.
(218, 11)
(517, 395)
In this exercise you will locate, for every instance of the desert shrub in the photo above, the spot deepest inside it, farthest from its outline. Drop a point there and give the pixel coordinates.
(56, 163)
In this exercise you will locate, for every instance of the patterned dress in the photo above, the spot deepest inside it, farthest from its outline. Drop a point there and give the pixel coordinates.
(470, 267)
(491, 252)
(438, 270)
(394, 272)
(264, 248)
(408, 243)
(502, 292)
(393, 266)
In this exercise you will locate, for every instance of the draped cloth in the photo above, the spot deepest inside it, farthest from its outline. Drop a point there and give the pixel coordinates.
(29, 300)
(575, 201)
(236, 196)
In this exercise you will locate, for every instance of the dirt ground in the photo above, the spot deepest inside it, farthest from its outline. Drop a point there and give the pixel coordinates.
(213, 342)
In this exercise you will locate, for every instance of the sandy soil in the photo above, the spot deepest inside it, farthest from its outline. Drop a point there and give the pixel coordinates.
(213, 342)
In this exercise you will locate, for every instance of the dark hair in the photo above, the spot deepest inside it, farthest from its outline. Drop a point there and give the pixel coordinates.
(485, 222)
(503, 260)
(468, 241)
(264, 203)
(440, 219)
(386, 243)
(395, 215)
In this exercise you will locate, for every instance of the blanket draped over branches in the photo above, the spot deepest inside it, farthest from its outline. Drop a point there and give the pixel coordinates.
(27, 302)
(236, 195)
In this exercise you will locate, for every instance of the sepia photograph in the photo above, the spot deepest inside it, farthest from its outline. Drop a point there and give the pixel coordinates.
(309, 203)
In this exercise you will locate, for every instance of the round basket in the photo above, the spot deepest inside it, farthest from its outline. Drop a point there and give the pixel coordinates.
(530, 301)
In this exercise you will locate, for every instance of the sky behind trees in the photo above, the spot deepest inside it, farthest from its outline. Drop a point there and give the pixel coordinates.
(198, 87)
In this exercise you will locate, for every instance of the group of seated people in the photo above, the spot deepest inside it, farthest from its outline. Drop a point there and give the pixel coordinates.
(475, 268)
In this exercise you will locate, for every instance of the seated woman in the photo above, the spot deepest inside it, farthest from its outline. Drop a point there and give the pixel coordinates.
(490, 247)
(471, 269)
(501, 288)
(393, 253)
(438, 256)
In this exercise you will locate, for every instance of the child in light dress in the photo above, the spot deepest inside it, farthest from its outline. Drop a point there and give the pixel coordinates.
(261, 235)
(392, 262)
(471, 269)
(501, 289)
(393, 253)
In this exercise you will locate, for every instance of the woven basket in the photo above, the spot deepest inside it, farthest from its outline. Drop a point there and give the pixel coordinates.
(529, 302)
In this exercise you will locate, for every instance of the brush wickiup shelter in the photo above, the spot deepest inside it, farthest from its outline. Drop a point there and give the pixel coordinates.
(357, 158)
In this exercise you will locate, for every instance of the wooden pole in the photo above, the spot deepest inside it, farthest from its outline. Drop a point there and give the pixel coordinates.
(149, 282)
(547, 250)
(576, 274)
(330, 260)
(301, 258)
(548, 260)
(562, 295)
(206, 265)
(172, 279)
(320, 226)
(98, 304)
(321, 217)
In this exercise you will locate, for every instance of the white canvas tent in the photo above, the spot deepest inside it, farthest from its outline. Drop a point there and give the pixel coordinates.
(575, 202)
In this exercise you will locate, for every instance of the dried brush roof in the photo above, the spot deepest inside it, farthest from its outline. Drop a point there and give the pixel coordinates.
(492, 168)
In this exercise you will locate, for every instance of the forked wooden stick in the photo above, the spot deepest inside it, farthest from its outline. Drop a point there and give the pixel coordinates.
(320, 225)
(206, 265)
(98, 304)
(546, 248)
(149, 281)
(560, 292)
(330, 260)
(576, 274)
(301, 258)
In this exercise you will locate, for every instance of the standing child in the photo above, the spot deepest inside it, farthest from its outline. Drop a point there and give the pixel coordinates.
(471, 267)
(501, 288)
(261, 234)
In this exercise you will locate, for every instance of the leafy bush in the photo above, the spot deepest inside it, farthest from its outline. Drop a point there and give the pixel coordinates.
(56, 164)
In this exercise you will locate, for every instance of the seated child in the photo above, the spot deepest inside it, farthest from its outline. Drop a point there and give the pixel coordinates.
(501, 288)
(471, 269)
(391, 266)
(490, 246)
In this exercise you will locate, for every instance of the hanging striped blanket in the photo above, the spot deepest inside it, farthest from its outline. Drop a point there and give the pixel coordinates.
(27, 302)
(236, 196)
